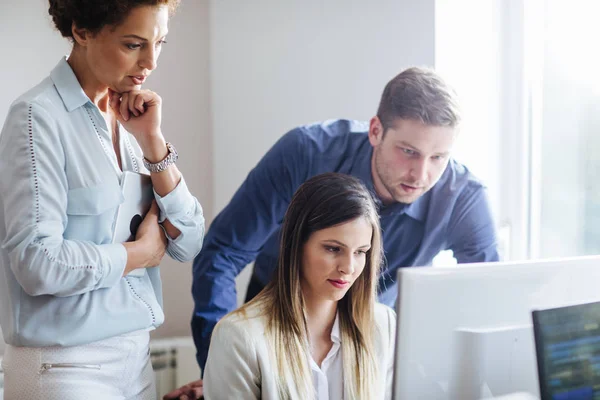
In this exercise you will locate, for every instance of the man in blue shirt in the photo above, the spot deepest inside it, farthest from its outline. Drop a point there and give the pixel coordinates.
(428, 201)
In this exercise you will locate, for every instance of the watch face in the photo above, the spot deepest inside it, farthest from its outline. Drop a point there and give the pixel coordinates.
(172, 149)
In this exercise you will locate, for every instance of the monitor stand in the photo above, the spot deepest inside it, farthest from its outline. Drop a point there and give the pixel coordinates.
(491, 362)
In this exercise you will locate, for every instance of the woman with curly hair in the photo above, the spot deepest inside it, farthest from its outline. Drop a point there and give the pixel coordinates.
(75, 308)
(315, 331)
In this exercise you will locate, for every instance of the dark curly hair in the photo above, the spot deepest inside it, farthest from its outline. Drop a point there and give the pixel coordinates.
(93, 15)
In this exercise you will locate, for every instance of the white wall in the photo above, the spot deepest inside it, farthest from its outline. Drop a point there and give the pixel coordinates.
(31, 48)
(182, 80)
(278, 64)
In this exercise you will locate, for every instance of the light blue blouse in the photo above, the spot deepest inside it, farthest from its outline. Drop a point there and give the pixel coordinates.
(60, 276)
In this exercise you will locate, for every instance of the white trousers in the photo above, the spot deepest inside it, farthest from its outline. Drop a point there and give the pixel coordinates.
(113, 369)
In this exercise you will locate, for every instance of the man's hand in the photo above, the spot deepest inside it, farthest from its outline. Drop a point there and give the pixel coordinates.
(191, 391)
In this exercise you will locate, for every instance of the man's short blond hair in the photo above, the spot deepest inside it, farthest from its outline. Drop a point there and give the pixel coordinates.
(419, 94)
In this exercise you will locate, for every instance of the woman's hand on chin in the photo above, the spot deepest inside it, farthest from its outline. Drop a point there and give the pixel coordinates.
(140, 111)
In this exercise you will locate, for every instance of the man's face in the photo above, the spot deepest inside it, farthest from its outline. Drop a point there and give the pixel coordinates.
(408, 158)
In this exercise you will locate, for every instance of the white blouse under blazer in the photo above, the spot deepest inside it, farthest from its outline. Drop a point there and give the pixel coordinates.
(239, 366)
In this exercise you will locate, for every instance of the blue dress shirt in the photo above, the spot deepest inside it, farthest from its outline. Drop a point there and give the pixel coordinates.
(454, 214)
(61, 278)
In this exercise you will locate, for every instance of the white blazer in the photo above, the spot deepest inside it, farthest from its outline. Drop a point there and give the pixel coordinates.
(239, 366)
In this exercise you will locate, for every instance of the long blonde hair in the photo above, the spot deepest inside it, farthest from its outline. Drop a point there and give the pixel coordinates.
(323, 201)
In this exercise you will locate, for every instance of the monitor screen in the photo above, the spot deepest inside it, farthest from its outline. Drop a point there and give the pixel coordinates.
(465, 332)
(568, 350)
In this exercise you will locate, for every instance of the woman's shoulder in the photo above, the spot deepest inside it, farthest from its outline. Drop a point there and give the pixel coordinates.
(42, 94)
(383, 312)
(247, 320)
(39, 102)
(385, 319)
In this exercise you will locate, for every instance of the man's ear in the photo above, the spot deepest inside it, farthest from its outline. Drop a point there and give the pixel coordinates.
(375, 131)
(80, 35)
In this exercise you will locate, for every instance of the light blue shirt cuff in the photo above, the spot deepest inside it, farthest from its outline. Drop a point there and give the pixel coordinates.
(175, 204)
(115, 260)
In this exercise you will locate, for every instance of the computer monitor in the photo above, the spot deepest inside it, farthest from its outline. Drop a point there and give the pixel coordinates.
(465, 332)
(567, 341)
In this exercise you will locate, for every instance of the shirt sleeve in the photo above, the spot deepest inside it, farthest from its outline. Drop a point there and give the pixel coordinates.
(472, 231)
(185, 213)
(34, 198)
(239, 232)
(232, 370)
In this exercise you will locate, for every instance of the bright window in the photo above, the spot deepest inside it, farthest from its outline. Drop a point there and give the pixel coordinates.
(528, 72)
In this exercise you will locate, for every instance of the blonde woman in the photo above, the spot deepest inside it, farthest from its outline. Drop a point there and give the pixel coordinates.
(316, 331)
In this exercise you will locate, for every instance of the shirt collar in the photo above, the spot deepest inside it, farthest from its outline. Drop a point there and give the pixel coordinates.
(68, 86)
(335, 338)
(418, 209)
(335, 330)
